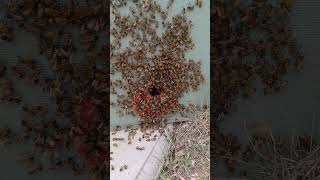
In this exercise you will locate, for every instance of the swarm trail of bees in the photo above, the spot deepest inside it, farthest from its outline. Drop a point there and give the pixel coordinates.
(154, 71)
(146, 134)
(79, 89)
(240, 57)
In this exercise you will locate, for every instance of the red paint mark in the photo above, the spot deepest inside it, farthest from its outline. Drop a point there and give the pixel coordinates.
(83, 150)
(142, 101)
(86, 113)
(93, 162)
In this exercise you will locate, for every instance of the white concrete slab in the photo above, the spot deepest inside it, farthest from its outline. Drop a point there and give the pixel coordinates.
(141, 164)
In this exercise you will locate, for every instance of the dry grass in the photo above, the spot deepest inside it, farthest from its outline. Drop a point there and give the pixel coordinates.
(189, 156)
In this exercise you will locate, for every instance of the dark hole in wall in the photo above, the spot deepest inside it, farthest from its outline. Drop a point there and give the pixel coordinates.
(154, 91)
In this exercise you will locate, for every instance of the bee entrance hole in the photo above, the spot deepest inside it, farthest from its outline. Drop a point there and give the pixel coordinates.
(154, 91)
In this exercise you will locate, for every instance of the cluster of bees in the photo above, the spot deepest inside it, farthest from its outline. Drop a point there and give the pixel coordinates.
(154, 71)
(240, 58)
(73, 86)
(7, 92)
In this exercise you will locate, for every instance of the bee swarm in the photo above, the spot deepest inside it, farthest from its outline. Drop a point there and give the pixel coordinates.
(154, 71)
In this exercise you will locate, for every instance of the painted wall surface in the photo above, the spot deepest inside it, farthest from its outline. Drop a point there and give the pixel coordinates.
(11, 114)
(296, 110)
(201, 35)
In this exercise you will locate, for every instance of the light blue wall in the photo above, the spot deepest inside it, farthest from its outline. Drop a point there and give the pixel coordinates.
(201, 35)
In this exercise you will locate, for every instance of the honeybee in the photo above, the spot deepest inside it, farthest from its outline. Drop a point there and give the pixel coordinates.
(3, 69)
(118, 139)
(6, 33)
(140, 148)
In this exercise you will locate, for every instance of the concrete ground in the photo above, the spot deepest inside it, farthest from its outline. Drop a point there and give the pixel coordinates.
(140, 160)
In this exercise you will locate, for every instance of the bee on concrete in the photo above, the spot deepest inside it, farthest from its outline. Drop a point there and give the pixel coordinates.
(140, 148)
(118, 139)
